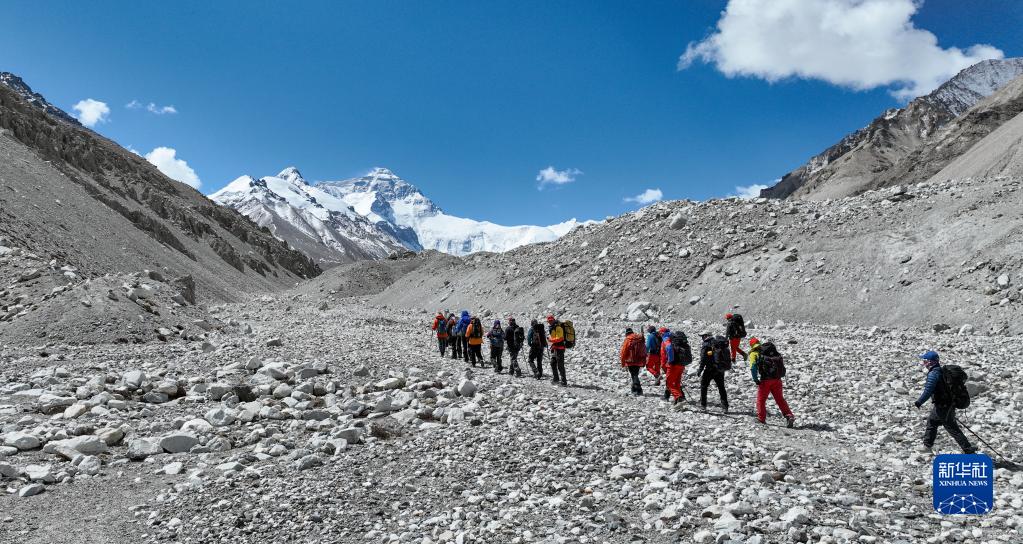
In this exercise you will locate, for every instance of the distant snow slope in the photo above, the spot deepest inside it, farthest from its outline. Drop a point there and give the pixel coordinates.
(368, 217)
(309, 219)
(393, 203)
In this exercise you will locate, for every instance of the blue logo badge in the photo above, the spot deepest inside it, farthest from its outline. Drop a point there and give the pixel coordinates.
(963, 484)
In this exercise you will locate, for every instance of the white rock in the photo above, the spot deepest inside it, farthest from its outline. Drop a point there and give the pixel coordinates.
(31, 490)
(220, 416)
(22, 441)
(467, 388)
(178, 442)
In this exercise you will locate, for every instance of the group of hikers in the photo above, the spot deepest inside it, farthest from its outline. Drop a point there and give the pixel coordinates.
(465, 335)
(667, 353)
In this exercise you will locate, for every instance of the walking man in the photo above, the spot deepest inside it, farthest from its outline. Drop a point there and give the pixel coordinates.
(712, 370)
(556, 340)
(735, 329)
(767, 369)
(537, 340)
(943, 410)
(514, 337)
(633, 357)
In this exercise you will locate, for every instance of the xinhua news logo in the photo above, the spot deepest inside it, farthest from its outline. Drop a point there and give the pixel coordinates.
(963, 484)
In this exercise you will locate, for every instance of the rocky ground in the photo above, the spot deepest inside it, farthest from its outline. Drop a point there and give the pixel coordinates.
(309, 417)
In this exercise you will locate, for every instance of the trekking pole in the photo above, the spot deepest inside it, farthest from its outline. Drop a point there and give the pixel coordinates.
(982, 441)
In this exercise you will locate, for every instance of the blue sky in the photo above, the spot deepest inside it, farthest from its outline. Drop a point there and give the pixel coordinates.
(471, 100)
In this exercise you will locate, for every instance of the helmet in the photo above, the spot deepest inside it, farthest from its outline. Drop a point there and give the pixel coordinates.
(728, 316)
(651, 328)
(754, 340)
(550, 318)
(628, 331)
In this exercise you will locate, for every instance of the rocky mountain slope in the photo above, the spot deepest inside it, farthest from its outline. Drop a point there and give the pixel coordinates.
(75, 198)
(935, 254)
(307, 218)
(883, 151)
(399, 211)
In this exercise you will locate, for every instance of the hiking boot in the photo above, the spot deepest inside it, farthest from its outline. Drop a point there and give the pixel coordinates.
(703, 407)
(657, 381)
(924, 448)
(564, 383)
(724, 409)
(970, 451)
(791, 421)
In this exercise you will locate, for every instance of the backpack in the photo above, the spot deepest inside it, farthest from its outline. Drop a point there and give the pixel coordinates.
(680, 346)
(740, 325)
(955, 384)
(477, 329)
(722, 353)
(520, 336)
(569, 331)
(496, 338)
(635, 348)
(770, 364)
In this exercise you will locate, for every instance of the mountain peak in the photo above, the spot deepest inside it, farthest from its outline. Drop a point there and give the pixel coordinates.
(975, 82)
(18, 85)
(381, 172)
(291, 174)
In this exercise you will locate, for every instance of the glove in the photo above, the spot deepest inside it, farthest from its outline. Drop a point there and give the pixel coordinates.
(917, 404)
(756, 382)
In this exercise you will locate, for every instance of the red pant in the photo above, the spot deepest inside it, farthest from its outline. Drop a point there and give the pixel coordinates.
(734, 344)
(771, 387)
(673, 379)
(653, 364)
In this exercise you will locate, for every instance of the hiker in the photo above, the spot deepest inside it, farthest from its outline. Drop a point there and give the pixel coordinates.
(735, 329)
(676, 354)
(713, 365)
(767, 369)
(653, 354)
(440, 324)
(537, 340)
(474, 337)
(514, 337)
(496, 337)
(461, 342)
(556, 341)
(633, 356)
(453, 342)
(943, 409)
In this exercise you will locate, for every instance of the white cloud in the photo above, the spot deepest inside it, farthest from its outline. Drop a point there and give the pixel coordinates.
(160, 110)
(858, 44)
(750, 191)
(91, 112)
(552, 176)
(646, 197)
(151, 107)
(165, 159)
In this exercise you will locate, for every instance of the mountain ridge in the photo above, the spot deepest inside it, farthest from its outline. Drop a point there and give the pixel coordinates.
(397, 209)
(854, 163)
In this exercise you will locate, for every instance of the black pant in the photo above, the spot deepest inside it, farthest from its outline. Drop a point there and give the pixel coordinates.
(456, 347)
(465, 349)
(513, 362)
(495, 357)
(558, 365)
(637, 388)
(718, 378)
(475, 354)
(442, 343)
(945, 416)
(536, 354)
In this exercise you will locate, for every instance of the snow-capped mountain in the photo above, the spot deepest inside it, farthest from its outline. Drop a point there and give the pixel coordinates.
(307, 218)
(861, 160)
(368, 217)
(399, 207)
